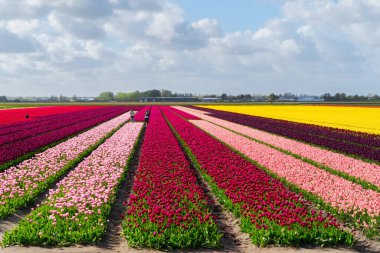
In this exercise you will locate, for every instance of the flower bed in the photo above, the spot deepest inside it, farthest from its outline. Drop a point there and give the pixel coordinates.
(353, 167)
(167, 209)
(35, 141)
(77, 210)
(23, 131)
(22, 183)
(345, 196)
(17, 115)
(140, 115)
(353, 118)
(355, 143)
(270, 213)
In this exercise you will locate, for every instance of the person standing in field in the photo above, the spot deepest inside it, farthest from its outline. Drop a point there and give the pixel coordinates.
(27, 116)
(146, 117)
(132, 116)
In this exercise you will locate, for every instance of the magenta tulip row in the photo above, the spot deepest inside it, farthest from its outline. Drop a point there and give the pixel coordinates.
(21, 183)
(54, 123)
(46, 120)
(167, 208)
(15, 149)
(271, 213)
(369, 172)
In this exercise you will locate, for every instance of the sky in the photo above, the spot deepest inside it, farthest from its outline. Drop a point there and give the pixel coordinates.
(84, 47)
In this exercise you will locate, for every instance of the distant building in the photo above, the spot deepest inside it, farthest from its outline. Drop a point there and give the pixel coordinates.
(310, 99)
(258, 98)
(288, 97)
(211, 99)
(86, 99)
(169, 99)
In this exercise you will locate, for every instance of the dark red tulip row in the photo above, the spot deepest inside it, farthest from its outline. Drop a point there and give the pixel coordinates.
(6, 129)
(350, 142)
(167, 208)
(18, 148)
(271, 213)
(55, 122)
(17, 115)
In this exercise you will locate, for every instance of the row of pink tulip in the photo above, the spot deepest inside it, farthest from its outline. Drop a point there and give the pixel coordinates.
(269, 211)
(22, 183)
(77, 210)
(338, 192)
(369, 172)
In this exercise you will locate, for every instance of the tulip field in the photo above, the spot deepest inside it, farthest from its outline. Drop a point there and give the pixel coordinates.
(287, 175)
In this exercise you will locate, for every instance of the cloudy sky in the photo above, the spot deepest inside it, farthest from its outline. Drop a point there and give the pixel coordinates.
(83, 47)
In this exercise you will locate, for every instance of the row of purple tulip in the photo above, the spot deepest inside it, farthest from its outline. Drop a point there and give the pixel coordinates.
(16, 149)
(354, 143)
(53, 123)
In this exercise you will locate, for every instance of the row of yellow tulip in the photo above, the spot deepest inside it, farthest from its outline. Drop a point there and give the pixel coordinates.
(354, 118)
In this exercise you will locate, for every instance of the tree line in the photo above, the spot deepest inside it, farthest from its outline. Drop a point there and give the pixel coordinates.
(135, 96)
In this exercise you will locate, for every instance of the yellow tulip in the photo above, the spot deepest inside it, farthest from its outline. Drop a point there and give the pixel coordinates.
(354, 118)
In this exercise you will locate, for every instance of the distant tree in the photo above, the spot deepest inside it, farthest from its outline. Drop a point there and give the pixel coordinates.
(75, 98)
(340, 96)
(166, 93)
(54, 99)
(3, 99)
(272, 97)
(327, 97)
(151, 93)
(121, 96)
(105, 96)
(134, 95)
(240, 97)
(224, 97)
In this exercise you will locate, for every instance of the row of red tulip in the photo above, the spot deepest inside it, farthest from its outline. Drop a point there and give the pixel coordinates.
(167, 208)
(270, 212)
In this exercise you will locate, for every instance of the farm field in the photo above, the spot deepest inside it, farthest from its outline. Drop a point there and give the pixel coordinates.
(91, 179)
(356, 118)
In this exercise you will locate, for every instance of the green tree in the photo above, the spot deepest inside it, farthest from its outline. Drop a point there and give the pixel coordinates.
(272, 97)
(106, 96)
(151, 93)
(121, 96)
(134, 96)
(166, 93)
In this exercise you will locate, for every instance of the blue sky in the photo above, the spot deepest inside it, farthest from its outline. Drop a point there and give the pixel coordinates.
(214, 46)
(233, 15)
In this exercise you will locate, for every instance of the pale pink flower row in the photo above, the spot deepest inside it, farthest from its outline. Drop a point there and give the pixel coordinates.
(23, 179)
(93, 181)
(338, 192)
(369, 172)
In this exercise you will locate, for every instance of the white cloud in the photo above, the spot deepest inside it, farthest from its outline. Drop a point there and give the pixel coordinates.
(313, 46)
(77, 27)
(84, 9)
(23, 28)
